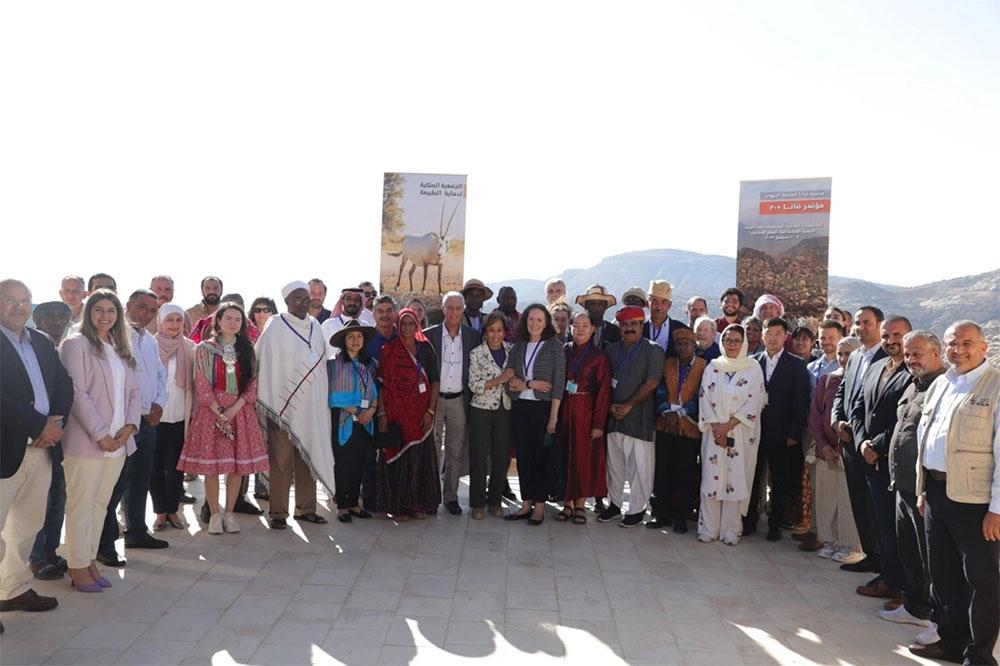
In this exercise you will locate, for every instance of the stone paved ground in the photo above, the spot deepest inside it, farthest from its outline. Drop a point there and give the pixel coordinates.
(450, 590)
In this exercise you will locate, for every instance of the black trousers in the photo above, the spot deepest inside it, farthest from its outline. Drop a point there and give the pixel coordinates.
(489, 439)
(675, 476)
(166, 484)
(965, 575)
(911, 543)
(349, 464)
(883, 501)
(777, 456)
(529, 419)
(861, 505)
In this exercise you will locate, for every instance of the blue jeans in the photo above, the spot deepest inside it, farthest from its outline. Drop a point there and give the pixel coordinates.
(47, 540)
(131, 490)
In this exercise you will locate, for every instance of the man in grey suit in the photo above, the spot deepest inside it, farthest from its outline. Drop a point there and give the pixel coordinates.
(453, 341)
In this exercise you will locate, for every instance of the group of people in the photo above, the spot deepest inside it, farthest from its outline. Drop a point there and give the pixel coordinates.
(848, 431)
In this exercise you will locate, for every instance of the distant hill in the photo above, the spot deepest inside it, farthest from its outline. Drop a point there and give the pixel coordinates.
(932, 306)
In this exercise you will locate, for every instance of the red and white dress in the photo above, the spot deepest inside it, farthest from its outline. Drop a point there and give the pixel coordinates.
(207, 449)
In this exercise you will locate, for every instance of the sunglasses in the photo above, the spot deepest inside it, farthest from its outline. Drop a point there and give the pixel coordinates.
(260, 310)
(371, 294)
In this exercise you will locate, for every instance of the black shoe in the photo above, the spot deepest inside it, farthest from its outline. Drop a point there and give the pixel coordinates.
(453, 508)
(188, 499)
(112, 560)
(29, 601)
(632, 519)
(146, 541)
(609, 514)
(935, 652)
(774, 534)
(243, 506)
(279, 524)
(656, 524)
(749, 527)
(680, 527)
(599, 505)
(867, 565)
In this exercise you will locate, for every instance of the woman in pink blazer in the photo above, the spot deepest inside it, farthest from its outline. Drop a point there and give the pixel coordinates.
(100, 429)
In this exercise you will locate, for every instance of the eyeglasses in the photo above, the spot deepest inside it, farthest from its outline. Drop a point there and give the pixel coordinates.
(731, 341)
(261, 310)
(371, 294)
(298, 299)
(8, 301)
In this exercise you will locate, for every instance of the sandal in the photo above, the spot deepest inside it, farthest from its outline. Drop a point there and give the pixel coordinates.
(579, 516)
(312, 518)
(344, 517)
(564, 515)
(360, 513)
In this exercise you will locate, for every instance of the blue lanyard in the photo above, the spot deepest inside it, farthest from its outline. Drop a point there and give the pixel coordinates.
(581, 355)
(654, 332)
(625, 358)
(362, 384)
(299, 335)
(528, 360)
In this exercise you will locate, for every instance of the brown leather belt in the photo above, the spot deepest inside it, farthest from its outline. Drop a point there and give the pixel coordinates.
(940, 477)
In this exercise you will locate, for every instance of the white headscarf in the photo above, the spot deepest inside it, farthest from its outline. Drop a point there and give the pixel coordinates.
(741, 362)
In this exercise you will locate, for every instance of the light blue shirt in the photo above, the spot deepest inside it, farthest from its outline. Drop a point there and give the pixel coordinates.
(29, 360)
(151, 374)
(820, 367)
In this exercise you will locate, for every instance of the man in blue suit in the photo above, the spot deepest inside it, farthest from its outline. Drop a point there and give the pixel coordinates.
(783, 423)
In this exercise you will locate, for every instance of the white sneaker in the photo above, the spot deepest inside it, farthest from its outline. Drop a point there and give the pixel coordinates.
(928, 636)
(902, 616)
(731, 540)
(848, 556)
(704, 538)
(215, 524)
(230, 524)
(827, 551)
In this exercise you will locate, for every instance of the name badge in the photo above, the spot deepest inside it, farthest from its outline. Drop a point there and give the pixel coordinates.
(676, 408)
(422, 387)
(364, 404)
(570, 386)
(614, 383)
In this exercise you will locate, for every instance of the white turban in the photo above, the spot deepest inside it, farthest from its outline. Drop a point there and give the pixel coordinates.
(293, 286)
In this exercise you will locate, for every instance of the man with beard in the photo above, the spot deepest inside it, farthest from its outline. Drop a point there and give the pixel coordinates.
(351, 307)
(922, 355)
(731, 302)
(830, 334)
(52, 318)
(133, 484)
(637, 369)
(370, 293)
(211, 292)
(873, 418)
(475, 293)
(317, 294)
(507, 304)
(660, 327)
(596, 301)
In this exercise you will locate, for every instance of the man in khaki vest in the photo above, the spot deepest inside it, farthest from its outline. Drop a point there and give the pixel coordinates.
(958, 490)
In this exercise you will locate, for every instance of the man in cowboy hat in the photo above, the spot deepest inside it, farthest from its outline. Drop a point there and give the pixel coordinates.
(637, 369)
(660, 327)
(475, 294)
(453, 341)
(596, 300)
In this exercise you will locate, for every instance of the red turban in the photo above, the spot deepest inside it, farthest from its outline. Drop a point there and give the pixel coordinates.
(629, 313)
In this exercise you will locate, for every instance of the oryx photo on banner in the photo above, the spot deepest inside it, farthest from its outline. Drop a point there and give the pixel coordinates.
(783, 245)
(423, 235)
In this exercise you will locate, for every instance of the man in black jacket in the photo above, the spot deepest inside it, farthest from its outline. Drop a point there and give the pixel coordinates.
(873, 418)
(783, 423)
(868, 320)
(37, 393)
(660, 327)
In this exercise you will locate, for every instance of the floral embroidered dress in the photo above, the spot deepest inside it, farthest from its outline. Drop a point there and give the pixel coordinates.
(207, 448)
(727, 473)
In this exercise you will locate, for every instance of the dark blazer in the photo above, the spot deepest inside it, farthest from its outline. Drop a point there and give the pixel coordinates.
(674, 325)
(20, 420)
(470, 340)
(788, 393)
(846, 392)
(610, 335)
(874, 412)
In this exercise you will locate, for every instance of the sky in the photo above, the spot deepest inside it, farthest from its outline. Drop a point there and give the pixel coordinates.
(248, 139)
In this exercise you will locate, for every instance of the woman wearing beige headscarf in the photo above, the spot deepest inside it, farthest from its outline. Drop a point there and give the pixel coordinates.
(731, 399)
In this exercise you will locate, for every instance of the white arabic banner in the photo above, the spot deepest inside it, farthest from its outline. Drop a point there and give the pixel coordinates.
(783, 244)
(423, 236)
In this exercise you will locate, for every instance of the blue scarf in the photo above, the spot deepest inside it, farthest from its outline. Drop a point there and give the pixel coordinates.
(351, 383)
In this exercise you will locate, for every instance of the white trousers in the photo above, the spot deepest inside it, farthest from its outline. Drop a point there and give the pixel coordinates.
(719, 520)
(22, 511)
(833, 517)
(89, 482)
(630, 459)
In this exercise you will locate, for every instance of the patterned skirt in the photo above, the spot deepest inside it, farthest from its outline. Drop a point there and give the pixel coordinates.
(410, 483)
(208, 451)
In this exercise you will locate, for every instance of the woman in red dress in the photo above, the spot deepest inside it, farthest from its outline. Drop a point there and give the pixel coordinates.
(583, 416)
(224, 437)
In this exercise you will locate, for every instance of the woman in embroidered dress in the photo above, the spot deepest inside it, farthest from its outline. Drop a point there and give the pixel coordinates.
(353, 405)
(582, 419)
(408, 485)
(489, 418)
(224, 437)
(731, 399)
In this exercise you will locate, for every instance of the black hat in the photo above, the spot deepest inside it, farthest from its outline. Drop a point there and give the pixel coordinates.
(337, 339)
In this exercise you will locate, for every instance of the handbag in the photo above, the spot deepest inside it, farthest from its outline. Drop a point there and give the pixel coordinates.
(391, 439)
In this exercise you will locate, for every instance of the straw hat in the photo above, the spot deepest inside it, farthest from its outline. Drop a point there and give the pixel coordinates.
(477, 284)
(596, 292)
